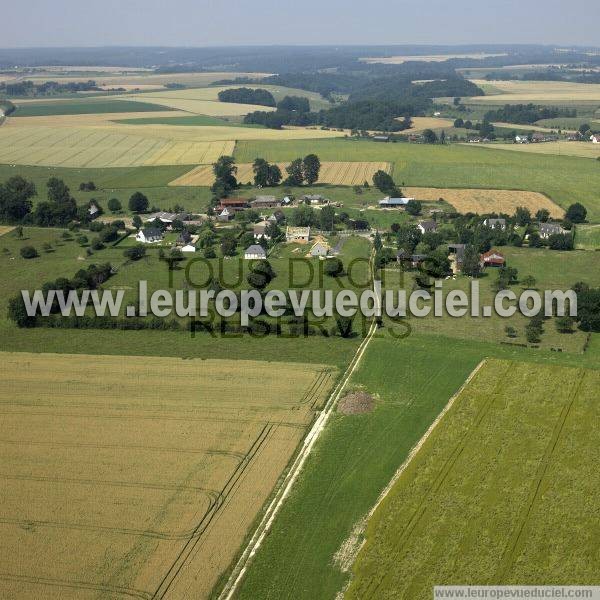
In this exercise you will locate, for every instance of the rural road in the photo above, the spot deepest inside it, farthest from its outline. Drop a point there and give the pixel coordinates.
(284, 489)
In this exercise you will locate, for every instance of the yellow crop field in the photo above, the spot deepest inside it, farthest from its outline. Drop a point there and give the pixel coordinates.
(96, 140)
(582, 149)
(136, 476)
(487, 201)
(139, 78)
(4, 229)
(104, 147)
(334, 173)
(212, 108)
(544, 92)
(422, 123)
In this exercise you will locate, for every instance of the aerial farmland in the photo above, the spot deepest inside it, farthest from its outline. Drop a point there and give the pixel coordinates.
(189, 407)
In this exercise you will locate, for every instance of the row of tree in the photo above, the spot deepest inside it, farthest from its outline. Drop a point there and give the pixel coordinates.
(300, 171)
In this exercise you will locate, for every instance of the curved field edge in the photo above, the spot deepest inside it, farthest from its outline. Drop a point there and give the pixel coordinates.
(449, 520)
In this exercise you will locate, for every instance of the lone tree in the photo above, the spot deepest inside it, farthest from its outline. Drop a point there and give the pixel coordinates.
(15, 198)
(413, 208)
(225, 181)
(576, 213)
(261, 172)
(471, 262)
(135, 252)
(429, 137)
(333, 267)
(384, 183)
(29, 252)
(311, 165)
(522, 216)
(138, 203)
(114, 205)
(295, 171)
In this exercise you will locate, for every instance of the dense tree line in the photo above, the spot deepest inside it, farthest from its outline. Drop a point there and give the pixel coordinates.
(363, 115)
(90, 279)
(527, 114)
(48, 88)
(246, 95)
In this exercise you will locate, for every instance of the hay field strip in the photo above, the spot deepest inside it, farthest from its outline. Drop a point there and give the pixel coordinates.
(95, 140)
(212, 94)
(4, 229)
(104, 147)
(334, 173)
(544, 92)
(580, 149)
(398, 60)
(494, 495)
(487, 201)
(150, 78)
(156, 466)
(422, 123)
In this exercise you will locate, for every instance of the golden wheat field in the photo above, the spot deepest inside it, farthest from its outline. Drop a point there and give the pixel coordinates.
(334, 173)
(137, 78)
(104, 147)
(139, 476)
(96, 140)
(487, 201)
(544, 92)
(581, 149)
(421, 123)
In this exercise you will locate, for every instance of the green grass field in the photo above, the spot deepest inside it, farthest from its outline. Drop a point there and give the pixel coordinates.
(192, 120)
(68, 257)
(83, 106)
(500, 493)
(587, 237)
(412, 379)
(565, 179)
(551, 269)
(116, 183)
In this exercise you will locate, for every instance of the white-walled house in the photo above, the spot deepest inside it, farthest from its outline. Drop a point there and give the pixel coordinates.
(149, 235)
(255, 252)
(427, 226)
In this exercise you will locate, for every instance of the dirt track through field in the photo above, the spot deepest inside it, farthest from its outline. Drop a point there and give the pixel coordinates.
(285, 488)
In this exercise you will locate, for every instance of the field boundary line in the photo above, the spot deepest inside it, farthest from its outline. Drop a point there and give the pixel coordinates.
(358, 531)
(513, 544)
(284, 489)
(415, 449)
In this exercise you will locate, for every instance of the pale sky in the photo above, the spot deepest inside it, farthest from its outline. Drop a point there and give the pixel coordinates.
(25, 23)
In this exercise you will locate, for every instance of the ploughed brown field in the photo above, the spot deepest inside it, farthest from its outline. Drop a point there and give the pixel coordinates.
(136, 476)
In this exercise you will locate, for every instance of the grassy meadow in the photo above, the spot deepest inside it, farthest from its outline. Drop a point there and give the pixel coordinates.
(82, 106)
(310, 548)
(587, 237)
(564, 179)
(516, 427)
(67, 257)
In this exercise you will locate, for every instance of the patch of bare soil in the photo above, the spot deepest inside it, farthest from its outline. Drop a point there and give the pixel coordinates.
(356, 403)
